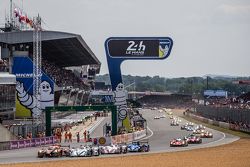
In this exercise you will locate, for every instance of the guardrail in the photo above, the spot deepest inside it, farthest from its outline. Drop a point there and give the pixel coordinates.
(16, 144)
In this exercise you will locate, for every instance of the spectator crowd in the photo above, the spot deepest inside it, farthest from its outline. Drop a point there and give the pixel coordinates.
(61, 76)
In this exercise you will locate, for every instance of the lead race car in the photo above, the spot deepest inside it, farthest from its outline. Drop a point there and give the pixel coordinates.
(113, 149)
(178, 142)
(139, 146)
(54, 151)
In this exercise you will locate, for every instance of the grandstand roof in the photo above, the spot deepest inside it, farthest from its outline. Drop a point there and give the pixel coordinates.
(65, 49)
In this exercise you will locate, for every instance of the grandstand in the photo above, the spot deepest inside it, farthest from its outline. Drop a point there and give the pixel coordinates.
(60, 52)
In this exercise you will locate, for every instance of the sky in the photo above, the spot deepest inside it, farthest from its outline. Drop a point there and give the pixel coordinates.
(210, 36)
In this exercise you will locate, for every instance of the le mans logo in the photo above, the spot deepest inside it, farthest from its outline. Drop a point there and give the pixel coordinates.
(135, 49)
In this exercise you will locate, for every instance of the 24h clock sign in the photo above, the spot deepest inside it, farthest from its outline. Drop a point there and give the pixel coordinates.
(119, 49)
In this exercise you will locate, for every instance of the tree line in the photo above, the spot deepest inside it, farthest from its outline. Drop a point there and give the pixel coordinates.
(184, 85)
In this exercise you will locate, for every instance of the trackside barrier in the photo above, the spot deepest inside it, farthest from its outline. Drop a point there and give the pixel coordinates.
(125, 138)
(4, 145)
(139, 134)
(220, 124)
(210, 121)
(16, 144)
(224, 125)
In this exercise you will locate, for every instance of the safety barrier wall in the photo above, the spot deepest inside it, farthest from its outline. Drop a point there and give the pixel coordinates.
(224, 125)
(125, 138)
(16, 144)
(224, 113)
(218, 123)
(139, 134)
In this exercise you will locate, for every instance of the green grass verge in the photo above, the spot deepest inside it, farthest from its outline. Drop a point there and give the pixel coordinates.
(232, 132)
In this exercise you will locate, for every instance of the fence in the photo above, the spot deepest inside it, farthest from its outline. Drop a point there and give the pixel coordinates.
(218, 123)
(224, 114)
(16, 144)
(24, 129)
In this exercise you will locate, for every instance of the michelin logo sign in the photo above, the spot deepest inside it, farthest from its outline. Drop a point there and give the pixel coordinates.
(22, 68)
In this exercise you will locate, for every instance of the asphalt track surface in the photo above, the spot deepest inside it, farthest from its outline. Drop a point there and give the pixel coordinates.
(160, 133)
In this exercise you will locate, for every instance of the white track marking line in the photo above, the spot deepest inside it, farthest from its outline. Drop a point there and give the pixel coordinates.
(92, 128)
(152, 133)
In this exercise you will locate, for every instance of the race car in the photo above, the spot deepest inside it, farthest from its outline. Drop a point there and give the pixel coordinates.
(138, 146)
(156, 117)
(83, 151)
(201, 127)
(53, 151)
(113, 149)
(95, 150)
(206, 135)
(193, 139)
(174, 123)
(163, 116)
(169, 113)
(178, 142)
(199, 131)
(177, 119)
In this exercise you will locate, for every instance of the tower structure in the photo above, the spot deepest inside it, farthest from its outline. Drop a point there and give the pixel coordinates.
(37, 65)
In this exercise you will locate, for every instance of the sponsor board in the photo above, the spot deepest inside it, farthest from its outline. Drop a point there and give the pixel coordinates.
(119, 49)
(102, 141)
(14, 145)
(139, 47)
(31, 143)
(139, 134)
(24, 88)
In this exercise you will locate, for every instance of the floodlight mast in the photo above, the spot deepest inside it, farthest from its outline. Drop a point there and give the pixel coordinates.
(37, 66)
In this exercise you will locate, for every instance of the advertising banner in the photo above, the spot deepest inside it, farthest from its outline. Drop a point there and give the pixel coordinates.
(37, 142)
(23, 69)
(139, 134)
(119, 49)
(42, 141)
(13, 145)
(47, 140)
(27, 143)
(103, 141)
(21, 144)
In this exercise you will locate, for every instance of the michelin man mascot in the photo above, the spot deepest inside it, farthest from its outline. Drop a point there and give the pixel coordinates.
(120, 102)
(27, 100)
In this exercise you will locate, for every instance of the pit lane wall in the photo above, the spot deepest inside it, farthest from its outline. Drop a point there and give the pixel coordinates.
(16, 144)
(217, 123)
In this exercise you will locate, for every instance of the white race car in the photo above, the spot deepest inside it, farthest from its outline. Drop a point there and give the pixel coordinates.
(84, 151)
(113, 149)
(156, 117)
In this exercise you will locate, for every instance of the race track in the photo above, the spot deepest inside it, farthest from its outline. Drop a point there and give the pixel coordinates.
(163, 133)
(159, 135)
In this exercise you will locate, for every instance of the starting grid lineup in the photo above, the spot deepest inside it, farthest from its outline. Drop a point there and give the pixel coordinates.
(118, 139)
